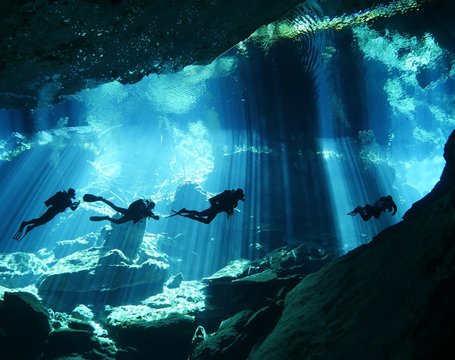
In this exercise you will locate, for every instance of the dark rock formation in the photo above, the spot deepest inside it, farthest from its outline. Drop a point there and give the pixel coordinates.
(252, 284)
(237, 335)
(24, 326)
(69, 341)
(55, 48)
(166, 338)
(174, 281)
(389, 299)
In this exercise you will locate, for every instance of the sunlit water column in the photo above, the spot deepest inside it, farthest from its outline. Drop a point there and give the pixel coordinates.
(342, 172)
(345, 186)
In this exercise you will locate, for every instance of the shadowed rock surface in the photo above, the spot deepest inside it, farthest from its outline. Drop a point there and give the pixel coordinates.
(24, 326)
(55, 48)
(51, 49)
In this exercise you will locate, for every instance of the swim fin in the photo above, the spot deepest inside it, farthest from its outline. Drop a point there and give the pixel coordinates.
(354, 212)
(18, 236)
(98, 218)
(91, 198)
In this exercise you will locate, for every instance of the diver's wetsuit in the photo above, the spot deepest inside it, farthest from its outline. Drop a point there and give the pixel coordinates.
(368, 211)
(58, 203)
(137, 211)
(227, 201)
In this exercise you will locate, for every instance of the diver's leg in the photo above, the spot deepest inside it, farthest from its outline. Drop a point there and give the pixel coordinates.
(24, 224)
(197, 218)
(121, 220)
(184, 212)
(205, 212)
(365, 216)
(43, 219)
(366, 212)
(205, 216)
(99, 218)
(188, 212)
(115, 207)
(376, 213)
(29, 228)
(211, 216)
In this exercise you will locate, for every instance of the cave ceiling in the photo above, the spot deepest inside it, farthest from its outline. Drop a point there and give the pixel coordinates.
(64, 46)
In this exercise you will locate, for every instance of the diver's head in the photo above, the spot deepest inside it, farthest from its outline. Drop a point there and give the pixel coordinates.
(72, 193)
(240, 195)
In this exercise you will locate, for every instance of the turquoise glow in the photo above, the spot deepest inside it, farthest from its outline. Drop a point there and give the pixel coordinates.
(303, 150)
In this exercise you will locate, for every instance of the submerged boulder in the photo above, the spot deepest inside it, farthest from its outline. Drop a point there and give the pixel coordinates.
(100, 275)
(65, 341)
(24, 326)
(162, 326)
(253, 283)
(237, 335)
(163, 338)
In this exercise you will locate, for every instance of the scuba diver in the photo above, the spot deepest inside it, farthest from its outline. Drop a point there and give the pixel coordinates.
(56, 204)
(382, 204)
(138, 210)
(227, 201)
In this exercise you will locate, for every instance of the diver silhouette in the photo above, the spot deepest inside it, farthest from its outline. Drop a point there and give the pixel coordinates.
(138, 210)
(56, 204)
(368, 211)
(227, 201)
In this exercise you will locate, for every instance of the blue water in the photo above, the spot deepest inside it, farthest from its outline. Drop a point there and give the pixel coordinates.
(306, 142)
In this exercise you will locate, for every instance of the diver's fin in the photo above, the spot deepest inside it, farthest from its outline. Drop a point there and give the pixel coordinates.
(18, 236)
(355, 211)
(174, 213)
(98, 218)
(91, 198)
